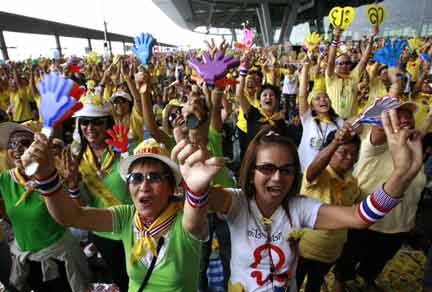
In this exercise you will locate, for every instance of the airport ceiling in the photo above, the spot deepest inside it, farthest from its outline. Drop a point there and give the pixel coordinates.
(232, 13)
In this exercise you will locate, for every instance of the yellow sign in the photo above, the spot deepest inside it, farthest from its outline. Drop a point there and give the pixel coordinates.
(341, 16)
(311, 41)
(375, 14)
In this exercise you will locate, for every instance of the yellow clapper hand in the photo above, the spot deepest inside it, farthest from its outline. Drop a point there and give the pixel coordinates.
(375, 14)
(91, 58)
(312, 41)
(415, 43)
(341, 16)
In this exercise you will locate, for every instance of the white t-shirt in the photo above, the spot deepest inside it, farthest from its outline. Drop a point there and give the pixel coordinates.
(290, 84)
(313, 137)
(250, 260)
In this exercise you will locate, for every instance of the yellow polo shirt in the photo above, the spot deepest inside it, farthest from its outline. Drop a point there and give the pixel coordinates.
(343, 93)
(21, 100)
(326, 245)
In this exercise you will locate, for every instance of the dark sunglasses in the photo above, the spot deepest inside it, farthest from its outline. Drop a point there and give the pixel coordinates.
(173, 115)
(15, 144)
(344, 63)
(119, 100)
(270, 169)
(401, 76)
(94, 122)
(137, 178)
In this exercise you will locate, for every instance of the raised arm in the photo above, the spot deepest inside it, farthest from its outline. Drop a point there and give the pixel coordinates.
(303, 87)
(332, 51)
(406, 151)
(244, 68)
(366, 54)
(62, 209)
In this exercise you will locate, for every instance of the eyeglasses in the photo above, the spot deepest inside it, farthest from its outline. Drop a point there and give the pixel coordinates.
(15, 144)
(136, 178)
(344, 63)
(93, 121)
(270, 169)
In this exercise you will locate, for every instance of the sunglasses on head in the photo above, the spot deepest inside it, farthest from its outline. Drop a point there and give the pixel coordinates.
(15, 144)
(93, 121)
(136, 178)
(270, 169)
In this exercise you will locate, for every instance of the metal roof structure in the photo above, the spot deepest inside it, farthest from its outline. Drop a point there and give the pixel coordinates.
(265, 15)
(24, 24)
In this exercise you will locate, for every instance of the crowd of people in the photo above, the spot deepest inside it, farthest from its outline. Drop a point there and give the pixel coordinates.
(255, 147)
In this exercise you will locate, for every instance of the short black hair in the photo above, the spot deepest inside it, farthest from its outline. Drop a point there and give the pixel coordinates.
(355, 139)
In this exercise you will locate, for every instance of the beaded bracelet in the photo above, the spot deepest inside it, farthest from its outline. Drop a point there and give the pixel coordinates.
(74, 193)
(193, 199)
(376, 205)
(49, 186)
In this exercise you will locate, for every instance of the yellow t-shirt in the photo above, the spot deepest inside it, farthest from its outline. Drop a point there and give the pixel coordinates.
(21, 100)
(373, 168)
(413, 68)
(326, 245)
(135, 123)
(241, 120)
(423, 101)
(343, 93)
(4, 100)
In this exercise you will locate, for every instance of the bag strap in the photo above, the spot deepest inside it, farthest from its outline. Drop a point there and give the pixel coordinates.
(152, 265)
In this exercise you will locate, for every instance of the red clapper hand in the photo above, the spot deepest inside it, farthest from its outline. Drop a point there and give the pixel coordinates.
(119, 137)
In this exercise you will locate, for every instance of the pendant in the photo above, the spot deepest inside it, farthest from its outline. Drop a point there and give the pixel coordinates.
(100, 173)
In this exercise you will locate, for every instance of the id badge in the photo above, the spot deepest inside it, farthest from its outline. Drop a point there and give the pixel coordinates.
(316, 143)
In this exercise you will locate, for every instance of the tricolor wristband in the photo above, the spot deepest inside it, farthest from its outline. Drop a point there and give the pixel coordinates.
(193, 199)
(243, 72)
(334, 43)
(376, 205)
(49, 186)
(74, 193)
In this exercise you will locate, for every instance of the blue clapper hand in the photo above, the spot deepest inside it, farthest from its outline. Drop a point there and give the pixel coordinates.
(144, 44)
(54, 103)
(212, 69)
(390, 53)
(372, 114)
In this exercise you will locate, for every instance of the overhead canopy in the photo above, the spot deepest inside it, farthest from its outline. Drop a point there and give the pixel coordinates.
(232, 13)
(24, 24)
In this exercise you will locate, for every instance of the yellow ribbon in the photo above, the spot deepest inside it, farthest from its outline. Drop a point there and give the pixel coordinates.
(148, 236)
(88, 168)
(264, 220)
(270, 119)
(22, 181)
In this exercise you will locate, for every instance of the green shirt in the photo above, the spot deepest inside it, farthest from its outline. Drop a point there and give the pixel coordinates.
(33, 226)
(214, 145)
(176, 271)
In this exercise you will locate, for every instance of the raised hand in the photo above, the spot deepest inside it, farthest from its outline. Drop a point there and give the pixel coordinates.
(390, 53)
(39, 152)
(197, 167)
(119, 137)
(404, 145)
(55, 100)
(214, 68)
(144, 44)
(69, 171)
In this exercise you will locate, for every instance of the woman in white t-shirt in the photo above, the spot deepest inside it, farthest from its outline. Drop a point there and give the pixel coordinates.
(265, 216)
(318, 119)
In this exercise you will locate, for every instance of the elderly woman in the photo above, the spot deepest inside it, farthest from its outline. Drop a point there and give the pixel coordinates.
(45, 255)
(158, 232)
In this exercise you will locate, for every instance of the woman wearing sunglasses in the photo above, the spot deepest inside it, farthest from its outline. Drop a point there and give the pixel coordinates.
(101, 182)
(161, 235)
(341, 79)
(265, 215)
(45, 256)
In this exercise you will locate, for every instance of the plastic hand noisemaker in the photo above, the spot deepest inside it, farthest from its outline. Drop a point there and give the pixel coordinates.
(119, 137)
(212, 69)
(390, 53)
(222, 83)
(143, 51)
(372, 114)
(375, 14)
(247, 42)
(311, 41)
(56, 105)
(341, 16)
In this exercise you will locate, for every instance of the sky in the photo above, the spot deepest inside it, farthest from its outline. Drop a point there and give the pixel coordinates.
(127, 17)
